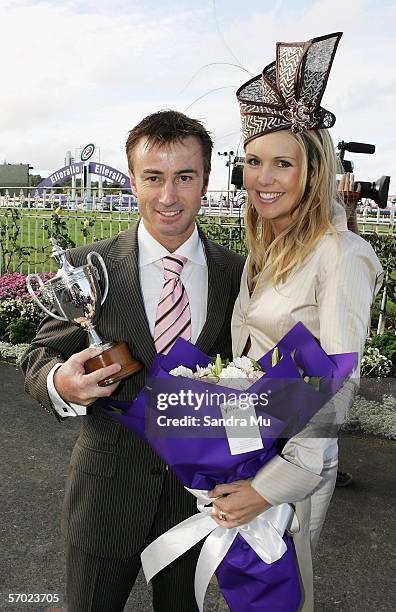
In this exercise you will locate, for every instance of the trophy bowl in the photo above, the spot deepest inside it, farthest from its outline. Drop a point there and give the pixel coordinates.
(76, 294)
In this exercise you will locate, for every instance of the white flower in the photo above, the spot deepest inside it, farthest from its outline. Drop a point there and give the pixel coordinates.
(13, 351)
(182, 371)
(201, 372)
(371, 417)
(239, 374)
(233, 382)
(244, 363)
(374, 363)
(232, 372)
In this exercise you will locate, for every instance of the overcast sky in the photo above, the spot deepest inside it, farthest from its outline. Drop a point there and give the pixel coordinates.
(75, 72)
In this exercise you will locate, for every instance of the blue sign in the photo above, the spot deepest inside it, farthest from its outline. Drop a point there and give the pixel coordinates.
(108, 172)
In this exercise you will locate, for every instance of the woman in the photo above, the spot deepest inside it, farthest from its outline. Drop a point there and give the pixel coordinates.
(303, 265)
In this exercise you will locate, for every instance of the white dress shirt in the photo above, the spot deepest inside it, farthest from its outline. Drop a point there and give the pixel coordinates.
(194, 277)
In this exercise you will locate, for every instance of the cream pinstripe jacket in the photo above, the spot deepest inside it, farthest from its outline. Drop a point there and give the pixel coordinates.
(331, 294)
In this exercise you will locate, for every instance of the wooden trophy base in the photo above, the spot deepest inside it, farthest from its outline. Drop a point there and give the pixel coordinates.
(116, 353)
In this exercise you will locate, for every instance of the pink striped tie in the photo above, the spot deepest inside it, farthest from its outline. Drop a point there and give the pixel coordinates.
(173, 319)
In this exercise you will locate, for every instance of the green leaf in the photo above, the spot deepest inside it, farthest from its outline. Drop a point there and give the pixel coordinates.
(256, 366)
(218, 365)
(276, 356)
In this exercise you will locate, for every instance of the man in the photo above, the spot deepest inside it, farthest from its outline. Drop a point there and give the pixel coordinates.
(119, 495)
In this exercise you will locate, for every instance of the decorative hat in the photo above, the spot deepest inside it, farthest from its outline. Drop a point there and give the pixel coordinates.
(287, 95)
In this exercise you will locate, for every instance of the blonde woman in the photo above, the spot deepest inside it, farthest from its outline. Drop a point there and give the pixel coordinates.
(303, 265)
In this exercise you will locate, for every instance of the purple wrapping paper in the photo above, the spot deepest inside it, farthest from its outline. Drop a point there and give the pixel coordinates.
(248, 584)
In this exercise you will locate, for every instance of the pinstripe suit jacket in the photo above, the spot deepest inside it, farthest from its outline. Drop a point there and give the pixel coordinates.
(115, 479)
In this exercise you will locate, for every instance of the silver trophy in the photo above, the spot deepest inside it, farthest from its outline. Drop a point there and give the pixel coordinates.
(76, 294)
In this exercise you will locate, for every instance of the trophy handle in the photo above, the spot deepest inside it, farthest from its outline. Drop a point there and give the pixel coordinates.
(104, 270)
(34, 296)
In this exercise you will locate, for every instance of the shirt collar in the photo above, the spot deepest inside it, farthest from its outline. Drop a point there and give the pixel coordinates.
(151, 251)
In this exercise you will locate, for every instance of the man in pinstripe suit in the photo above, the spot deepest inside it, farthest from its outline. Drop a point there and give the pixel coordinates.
(119, 494)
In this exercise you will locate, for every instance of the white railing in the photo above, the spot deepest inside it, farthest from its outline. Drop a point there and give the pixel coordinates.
(379, 218)
(27, 222)
(105, 199)
(215, 203)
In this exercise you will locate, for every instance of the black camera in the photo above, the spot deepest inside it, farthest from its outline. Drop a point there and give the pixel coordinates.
(237, 173)
(376, 190)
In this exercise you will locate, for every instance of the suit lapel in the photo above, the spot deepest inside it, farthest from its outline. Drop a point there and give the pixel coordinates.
(126, 295)
(218, 293)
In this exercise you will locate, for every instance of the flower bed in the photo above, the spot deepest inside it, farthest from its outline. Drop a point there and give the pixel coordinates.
(12, 352)
(19, 314)
(373, 417)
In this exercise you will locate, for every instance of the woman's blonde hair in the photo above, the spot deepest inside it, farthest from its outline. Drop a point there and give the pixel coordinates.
(314, 203)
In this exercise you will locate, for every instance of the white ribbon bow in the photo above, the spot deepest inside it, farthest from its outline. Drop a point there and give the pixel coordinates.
(264, 534)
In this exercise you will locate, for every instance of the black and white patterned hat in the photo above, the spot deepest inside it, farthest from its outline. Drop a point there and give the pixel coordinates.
(287, 95)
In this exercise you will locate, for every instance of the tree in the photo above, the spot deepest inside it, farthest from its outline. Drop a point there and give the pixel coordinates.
(34, 180)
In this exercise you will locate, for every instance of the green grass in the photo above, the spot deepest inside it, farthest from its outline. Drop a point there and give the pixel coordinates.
(33, 237)
(372, 228)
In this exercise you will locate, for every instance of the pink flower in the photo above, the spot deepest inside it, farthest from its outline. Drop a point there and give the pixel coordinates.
(13, 285)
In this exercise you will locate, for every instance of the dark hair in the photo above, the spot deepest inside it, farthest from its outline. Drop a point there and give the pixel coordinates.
(166, 127)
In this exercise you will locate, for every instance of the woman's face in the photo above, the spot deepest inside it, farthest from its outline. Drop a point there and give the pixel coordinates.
(272, 176)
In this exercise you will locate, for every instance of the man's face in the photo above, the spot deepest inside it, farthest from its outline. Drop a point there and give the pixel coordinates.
(168, 182)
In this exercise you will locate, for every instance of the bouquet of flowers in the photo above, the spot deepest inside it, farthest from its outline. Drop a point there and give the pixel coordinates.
(273, 398)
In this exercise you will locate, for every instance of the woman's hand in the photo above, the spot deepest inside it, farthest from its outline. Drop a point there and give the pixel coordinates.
(350, 195)
(238, 503)
(350, 192)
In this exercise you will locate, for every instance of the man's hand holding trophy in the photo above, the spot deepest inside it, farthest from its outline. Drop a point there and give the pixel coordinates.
(77, 294)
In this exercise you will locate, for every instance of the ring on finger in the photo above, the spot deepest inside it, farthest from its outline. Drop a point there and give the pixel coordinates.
(222, 515)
